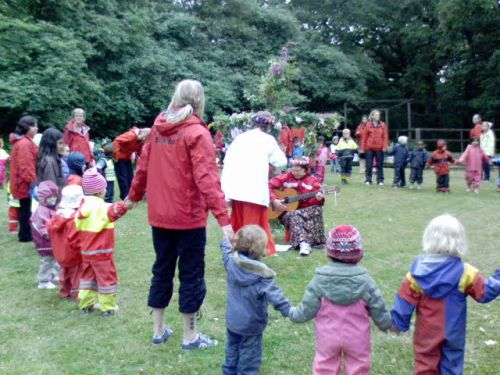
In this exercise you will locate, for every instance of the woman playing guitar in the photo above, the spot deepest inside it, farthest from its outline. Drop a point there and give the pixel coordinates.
(306, 223)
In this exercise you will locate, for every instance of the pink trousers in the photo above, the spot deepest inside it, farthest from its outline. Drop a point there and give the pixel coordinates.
(473, 178)
(342, 332)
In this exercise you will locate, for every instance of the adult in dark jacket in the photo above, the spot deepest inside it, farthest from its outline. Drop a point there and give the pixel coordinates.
(418, 159)
(401, 154)
(49, 166)
(178, 169)
(23, 171)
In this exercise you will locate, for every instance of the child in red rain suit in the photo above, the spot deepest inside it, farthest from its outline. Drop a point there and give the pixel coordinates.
(96, 235)
(65, 246)
(440, 159)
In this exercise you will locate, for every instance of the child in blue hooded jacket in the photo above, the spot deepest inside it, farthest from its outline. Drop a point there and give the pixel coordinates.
(437, 287)
(251, 288)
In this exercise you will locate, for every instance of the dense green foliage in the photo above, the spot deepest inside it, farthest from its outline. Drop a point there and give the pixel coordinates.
(121, 59)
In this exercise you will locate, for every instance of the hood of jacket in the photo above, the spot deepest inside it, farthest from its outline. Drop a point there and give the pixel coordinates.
(437, 275)
(342, 283)
(13, 137)
(245, 271)
(76, 162)
(164, 127)
(45, 190)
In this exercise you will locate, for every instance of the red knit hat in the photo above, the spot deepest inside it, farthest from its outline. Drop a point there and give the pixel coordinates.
(344, 244)
(93, 182)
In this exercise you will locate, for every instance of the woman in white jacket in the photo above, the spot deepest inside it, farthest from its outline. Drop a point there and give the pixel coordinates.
(487, 142)
(246, 174)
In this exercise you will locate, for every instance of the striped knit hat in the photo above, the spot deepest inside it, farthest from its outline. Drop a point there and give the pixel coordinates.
(93, 182)
(344, 244)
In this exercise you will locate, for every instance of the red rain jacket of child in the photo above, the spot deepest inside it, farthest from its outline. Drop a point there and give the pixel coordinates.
(78, 140)
(126, 144)
(441, 159)
(22, 165)
(64, 238)
(305, 185)
(376, 137)
(179, 172)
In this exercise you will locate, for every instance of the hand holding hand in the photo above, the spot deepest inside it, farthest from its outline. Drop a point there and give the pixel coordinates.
(227, 231)
(394, 330)
(130, 205)
(320, 196)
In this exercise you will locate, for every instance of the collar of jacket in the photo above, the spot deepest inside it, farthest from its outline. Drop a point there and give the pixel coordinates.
(254, 266)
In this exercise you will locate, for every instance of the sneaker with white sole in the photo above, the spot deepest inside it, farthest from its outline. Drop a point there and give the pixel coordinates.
(46, 285)
(160, 340)
(305, 249)
(368, 183)
(381, 184)
(200, 342)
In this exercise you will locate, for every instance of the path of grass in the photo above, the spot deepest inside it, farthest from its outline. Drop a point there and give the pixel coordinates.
(42, 334)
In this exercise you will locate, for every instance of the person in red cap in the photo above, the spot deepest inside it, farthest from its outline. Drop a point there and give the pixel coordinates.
(341, 297)
(441, 159)
(96, 235)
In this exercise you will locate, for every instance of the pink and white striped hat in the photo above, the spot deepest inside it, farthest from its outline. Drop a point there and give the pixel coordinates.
(344, 243)
(93, 182)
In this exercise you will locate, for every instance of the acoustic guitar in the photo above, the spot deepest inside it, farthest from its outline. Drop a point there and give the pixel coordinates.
(292, 198)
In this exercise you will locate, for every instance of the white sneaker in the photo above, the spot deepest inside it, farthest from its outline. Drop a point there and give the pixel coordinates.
(367, 183)
(381, 184)
(305, 249)
(419, 187)
(46, 285)
(412, 187)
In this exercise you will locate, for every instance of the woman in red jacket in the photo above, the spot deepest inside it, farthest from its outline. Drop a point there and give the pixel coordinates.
(375, 145)
(124, 146)
(76, 135)
(360, 135)
(23, 171)
(178, 169)
(476, 131)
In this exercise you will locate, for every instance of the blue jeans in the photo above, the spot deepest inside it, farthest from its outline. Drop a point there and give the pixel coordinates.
(243, 354)
(370, 155)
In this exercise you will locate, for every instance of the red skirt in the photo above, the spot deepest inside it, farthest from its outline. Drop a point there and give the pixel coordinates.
(245, 213)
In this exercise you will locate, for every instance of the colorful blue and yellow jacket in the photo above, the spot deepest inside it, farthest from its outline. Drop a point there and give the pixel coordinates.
(437, 287)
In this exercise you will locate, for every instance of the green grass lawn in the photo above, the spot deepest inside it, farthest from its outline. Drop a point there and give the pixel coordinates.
(42, 334)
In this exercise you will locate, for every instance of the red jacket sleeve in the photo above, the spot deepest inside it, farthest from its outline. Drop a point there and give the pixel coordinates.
(365, 137)
(276, 183)
(139, 183)
(206, 174)
(27, 162)
(316, 187)
(386, 136)
(116, 211)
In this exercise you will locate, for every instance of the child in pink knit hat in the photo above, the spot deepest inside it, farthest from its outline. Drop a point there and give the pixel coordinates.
(94, 223)
(341, 297)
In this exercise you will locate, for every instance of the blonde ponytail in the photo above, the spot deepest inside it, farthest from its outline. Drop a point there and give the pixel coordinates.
(188, 98)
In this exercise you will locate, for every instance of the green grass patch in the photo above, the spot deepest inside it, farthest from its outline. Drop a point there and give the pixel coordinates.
(43, 334)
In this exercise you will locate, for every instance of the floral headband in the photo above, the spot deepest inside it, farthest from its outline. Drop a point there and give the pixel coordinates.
(303, 161)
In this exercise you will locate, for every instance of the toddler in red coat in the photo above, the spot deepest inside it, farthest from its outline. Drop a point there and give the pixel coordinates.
(65, 245)
(441, 159)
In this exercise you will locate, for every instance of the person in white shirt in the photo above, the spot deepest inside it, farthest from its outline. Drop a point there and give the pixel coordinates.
(487, 144)
(245, 175)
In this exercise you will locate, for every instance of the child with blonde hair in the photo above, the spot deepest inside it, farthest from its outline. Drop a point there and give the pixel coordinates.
(341, 297)
(251, 288)
(437, 286)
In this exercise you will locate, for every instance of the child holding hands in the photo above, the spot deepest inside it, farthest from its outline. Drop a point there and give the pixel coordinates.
(251, 288)
(341, 297)
(437, 287)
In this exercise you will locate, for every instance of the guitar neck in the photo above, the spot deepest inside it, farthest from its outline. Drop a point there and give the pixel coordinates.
(301, 197)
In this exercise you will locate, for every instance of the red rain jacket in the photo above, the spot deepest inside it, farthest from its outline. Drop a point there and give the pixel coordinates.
(285, 139)
(126, 144)
(376, 137)
(22, 165)
(64, 238)
(441, 159)
(178, 170)
(361, 134)
(78, 140)
(307, 184)
(476, 131)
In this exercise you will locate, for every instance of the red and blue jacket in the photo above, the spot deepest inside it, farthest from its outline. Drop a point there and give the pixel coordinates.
(437, 287)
